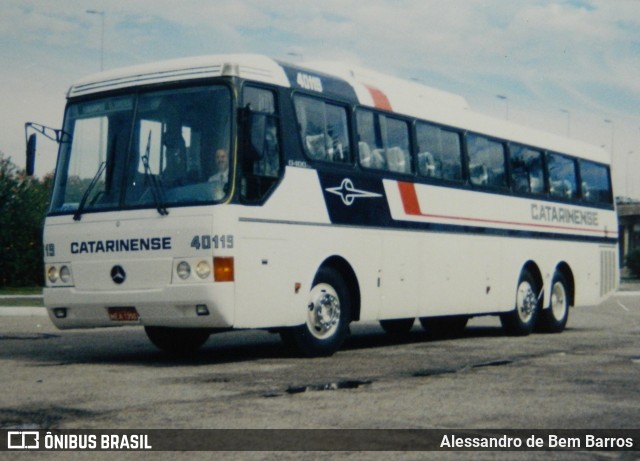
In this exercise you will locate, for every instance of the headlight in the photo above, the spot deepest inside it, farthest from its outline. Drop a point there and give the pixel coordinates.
(65, 274)
(184, 270)
(52, 274)
(203, 269)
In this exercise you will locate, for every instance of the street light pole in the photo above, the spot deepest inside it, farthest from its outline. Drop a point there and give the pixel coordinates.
(606, 120)
(506, 101)
(627, 182)
(101, 14)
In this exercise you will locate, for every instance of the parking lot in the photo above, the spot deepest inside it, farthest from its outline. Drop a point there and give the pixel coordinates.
(584, 378)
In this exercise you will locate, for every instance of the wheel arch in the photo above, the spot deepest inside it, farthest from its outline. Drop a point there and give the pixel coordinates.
(564, 269)
(342, 266)
(533, 269)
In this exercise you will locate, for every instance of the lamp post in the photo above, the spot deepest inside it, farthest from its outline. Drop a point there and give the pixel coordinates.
(101, 14)
(606, 120)
(568, 120)
(627, 182)
(506, 102)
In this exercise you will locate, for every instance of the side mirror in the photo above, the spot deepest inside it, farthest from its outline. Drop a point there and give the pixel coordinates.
(31, 154)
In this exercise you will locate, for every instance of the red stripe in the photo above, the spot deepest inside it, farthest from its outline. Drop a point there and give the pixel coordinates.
(411, 206)
(380, 99)
(409, 198)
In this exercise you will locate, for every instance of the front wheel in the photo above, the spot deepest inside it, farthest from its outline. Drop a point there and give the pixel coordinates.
(328, 316)
(177, 340)
(554, 318)
(521, 320)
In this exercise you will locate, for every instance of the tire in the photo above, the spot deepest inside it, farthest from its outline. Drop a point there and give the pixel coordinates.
(554, 318)
(328, 316)
(397, 328)
(177, 340)
(521, 320)
(444, 327)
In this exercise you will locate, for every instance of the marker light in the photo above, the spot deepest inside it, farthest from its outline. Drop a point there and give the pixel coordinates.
(223, 269)
(183, 270)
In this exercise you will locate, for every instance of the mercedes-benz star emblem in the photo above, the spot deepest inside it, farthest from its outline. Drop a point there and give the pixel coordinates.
(118, 275)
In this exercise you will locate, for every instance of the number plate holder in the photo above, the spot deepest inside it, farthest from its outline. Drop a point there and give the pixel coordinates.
(123, 314)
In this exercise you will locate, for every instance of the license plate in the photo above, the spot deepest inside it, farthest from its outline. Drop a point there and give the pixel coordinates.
(123, 314)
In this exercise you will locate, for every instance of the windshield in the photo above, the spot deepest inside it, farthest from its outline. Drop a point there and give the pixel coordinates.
(153, 150)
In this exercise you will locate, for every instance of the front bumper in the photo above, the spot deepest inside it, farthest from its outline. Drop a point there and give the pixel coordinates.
(171, 306)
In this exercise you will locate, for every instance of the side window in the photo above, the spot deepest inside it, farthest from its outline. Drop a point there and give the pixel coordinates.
(527, 172)
(261, 161)
(596, 185)
(398, 146)
(562, 176)
(383, 142)
(370, 145)
(439, 153)
(486, 162)
(323, 129)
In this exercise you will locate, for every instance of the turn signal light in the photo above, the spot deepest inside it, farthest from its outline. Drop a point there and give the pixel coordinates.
(223, 270)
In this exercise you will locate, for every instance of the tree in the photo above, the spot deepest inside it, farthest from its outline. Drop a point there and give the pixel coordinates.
(23, 204)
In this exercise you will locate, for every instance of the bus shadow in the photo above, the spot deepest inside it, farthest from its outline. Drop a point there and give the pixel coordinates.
(133, 348)
(374, 339)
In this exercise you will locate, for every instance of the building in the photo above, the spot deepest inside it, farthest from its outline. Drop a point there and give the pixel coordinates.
(629, 227)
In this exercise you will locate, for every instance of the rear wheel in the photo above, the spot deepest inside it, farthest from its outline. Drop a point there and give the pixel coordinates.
(521, 320)
(554, 318)
(328, 316)
(177, 340)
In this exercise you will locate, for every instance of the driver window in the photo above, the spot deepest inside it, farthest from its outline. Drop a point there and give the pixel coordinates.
(261, 164)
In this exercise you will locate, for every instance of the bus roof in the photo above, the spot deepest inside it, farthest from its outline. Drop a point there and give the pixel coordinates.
(367, 87)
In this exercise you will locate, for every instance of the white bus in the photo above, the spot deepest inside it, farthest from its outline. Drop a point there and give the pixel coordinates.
(240, 192)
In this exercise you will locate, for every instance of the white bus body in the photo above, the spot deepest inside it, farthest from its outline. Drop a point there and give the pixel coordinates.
(306, 238)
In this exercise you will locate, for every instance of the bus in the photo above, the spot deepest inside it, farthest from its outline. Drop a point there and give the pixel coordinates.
(227, 192)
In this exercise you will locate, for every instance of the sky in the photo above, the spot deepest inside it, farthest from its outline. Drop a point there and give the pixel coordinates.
(570, 67)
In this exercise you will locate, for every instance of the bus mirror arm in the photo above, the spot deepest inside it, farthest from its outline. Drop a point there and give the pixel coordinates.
(54, 134)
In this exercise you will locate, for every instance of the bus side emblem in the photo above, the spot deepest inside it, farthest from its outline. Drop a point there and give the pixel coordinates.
(118, 275)
(348, 193)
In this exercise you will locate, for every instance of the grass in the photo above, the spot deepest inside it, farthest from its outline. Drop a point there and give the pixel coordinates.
(31, 296)
(24, 291)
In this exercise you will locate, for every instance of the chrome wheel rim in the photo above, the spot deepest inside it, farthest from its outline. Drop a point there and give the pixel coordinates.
(323, 314)
(558, 301)
(526, 302)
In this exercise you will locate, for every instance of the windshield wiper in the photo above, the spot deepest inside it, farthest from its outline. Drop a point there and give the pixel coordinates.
(83, 201)
(157, 191)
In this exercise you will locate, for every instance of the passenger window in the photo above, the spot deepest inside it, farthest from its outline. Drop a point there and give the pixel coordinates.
(323, 129)
(596, 185)
(527, 173)
(397, 146)
(486, 162)
(439, 153)
(383, 142)
(562, 176)
(370, 143)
